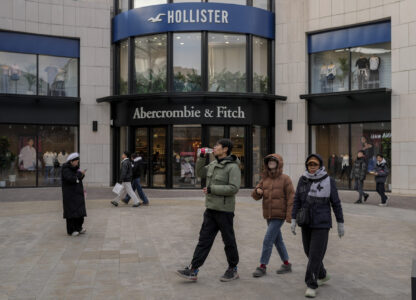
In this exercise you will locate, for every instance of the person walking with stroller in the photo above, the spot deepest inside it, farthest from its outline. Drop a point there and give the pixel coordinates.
(358, 173)
(126, 175)
(315, 194)
(223, 179)
(276, 190)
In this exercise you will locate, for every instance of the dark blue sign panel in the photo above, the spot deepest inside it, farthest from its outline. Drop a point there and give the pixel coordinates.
(350, 37)
(193, 17)
(38, 44)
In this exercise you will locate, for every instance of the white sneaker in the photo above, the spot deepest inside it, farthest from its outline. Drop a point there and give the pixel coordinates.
(75, 233)
(83, 230)
(382, 204)
(310, 293)
(323, 280)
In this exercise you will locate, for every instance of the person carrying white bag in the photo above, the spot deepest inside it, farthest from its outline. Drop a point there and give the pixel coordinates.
(126, 174)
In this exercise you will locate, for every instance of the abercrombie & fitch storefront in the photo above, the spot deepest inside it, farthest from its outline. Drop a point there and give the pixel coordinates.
(188, 74)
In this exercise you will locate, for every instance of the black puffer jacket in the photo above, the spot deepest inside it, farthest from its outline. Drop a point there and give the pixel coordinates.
(382, 172)
(320, 213)
(73, 192)
(359, 169)
(126, 172)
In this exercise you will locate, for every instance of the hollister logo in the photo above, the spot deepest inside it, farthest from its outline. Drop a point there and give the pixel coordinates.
(218, 16)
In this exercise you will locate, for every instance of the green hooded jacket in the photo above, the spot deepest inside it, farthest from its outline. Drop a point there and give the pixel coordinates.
(223, 179)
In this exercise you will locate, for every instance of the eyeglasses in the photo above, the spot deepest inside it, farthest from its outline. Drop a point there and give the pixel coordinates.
(312, 164)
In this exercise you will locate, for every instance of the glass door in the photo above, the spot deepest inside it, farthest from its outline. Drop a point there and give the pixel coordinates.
(237, 135)
(158, 160)
(141, 146)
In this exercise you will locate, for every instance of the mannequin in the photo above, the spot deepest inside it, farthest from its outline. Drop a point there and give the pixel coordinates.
(59, 84)
(331, 72)
(345, 165)
(48, 160)
(51, 72)
(5, 74)
(374, 62)
(322, 78)
(15, 75)
(27, 156)
(62, 156)
(363, 65)
(333, 165)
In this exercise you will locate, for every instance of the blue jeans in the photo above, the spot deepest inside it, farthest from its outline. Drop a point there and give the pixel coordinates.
(137, 186)
(273, 236)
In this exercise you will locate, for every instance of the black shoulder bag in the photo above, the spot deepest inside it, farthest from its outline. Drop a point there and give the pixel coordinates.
(303, 216)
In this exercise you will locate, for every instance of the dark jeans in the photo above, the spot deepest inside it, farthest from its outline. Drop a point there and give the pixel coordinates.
(215, 221)
(135, 184)
(381, 191)
(314, 242)
(359, 187)
(74, 224)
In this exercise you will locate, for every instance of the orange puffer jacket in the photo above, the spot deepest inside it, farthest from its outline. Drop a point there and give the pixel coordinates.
(278, 191)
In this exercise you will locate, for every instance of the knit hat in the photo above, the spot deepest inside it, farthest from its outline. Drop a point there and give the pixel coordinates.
(73, 156)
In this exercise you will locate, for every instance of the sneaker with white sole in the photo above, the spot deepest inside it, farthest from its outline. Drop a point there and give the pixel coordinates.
(188, 274)
(310, 293)
(323, 280)
(284, 269)
(230, 274)
(75, 233)
(83, 230)
(115, 203)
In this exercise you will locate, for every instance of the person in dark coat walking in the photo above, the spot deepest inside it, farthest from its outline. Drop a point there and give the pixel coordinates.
(137, 166)
(73, 195)
(316, 192)
(358, 173)
(381, 172)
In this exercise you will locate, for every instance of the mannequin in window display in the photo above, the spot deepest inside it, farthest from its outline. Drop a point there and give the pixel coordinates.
(59, 83)
(15, 75)
(374, 80)
(345, 166)
(322, 78)
(362, 64)
(5, 76)
(27, 157)
(331, 72)
(48, 162)
(187, 171)
(333, 165)
(51, 72)
(62, 156)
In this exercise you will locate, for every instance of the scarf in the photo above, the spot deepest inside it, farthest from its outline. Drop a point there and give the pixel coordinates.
(320, 190)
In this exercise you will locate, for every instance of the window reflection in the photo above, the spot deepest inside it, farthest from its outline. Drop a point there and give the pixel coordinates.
(237, 137)
(124, 67)
(123, 5)
(187, 62)
(150, 63)
(58, 76)
(142, 3)
(261, 4)
(18, 73)
(238, 2)
(260, 55)
(259, 151)
(227, 62)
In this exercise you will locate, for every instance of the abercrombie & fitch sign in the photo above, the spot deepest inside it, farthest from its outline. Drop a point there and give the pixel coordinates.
(190, 112)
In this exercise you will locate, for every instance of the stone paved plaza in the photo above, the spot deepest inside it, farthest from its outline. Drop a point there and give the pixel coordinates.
(132, 253)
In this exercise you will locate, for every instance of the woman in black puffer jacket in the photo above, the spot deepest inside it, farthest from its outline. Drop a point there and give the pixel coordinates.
(317, 192)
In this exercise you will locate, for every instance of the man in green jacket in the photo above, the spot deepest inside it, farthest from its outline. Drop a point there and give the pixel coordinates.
(223, 179)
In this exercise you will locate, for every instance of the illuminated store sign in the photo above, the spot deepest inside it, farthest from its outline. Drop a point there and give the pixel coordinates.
(176, 17)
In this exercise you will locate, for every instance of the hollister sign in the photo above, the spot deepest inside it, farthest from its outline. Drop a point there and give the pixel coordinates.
(220, 17)
(190, 112)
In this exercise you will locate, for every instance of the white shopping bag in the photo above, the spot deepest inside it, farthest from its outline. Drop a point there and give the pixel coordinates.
(118, 188)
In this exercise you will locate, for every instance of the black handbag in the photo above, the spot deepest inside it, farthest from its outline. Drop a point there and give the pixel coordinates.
(303, 216)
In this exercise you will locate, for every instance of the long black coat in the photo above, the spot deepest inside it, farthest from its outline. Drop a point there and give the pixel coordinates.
(73, 192)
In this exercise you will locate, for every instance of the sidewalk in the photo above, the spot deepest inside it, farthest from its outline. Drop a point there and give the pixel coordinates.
(54, 193)
(132, 253)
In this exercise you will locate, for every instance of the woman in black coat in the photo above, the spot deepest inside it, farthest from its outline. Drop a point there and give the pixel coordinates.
(317, 193)
(73, 195)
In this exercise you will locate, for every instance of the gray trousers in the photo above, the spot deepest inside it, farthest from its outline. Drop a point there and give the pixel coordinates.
(127, 189)
(359, 187)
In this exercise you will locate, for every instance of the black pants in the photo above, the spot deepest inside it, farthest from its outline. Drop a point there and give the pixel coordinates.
(74, 224)
(381, 191)
(359, 187)
(215, 221)
(315, 242)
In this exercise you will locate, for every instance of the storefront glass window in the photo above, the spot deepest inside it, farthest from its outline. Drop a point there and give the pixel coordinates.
(260, 63)
(259, 152)
(58, 76)
(142, 3)
(215, 133)
(150, 63)
(372, 138)
(18, 73)
(237, 137)
(186, 141)
(158, 162)
(330, 71)
(332, 143)
(227, 62)
(123, 5)
(238, 2)
(371, 67)
(187, 62)
(124, 67)
(141, 147)
(33, 155)
(261, 4)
